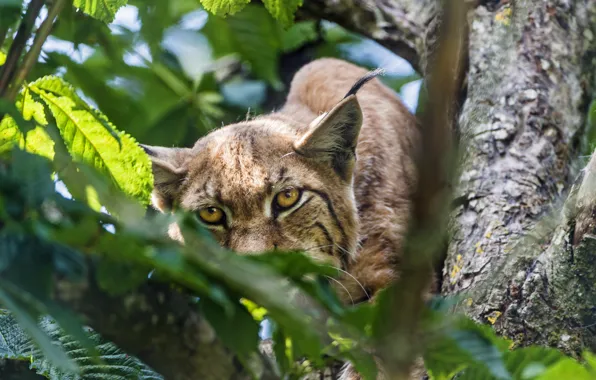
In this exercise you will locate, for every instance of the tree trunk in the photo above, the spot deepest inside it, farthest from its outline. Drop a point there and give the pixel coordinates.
(529, 86)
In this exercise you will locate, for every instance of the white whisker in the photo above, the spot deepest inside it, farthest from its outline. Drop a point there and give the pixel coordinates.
(346, 289)
(317, 247)
(339, 269)
(342, 249)
(355, 279)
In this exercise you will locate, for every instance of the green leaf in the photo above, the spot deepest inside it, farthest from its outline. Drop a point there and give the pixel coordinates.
(18, 130)
(117, 278)
(89, 138)
(465, 344)
(104, 10)
(224, 7)
(481, 350)
(134, 97)
(293, 264)
(10, 10)
(253, 35)
(34, 174)
(238, 331)
(566, 368)
(26, 280)
(55, 354)
(523, 363)
(283, 10)
(113, 364)
(590, 359)
(79, 28)
(156, 16)
(397, 82)
(298, 35)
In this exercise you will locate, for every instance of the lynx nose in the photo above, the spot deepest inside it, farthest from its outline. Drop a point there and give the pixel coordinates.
(251, 242)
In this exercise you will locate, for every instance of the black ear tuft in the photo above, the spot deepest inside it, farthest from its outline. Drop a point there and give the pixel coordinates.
(362, 81)
(147, 149)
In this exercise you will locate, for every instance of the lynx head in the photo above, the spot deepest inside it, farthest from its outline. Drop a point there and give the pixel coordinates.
(270, 183)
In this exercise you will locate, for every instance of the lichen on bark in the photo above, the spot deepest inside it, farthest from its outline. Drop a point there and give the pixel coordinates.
(529, 85)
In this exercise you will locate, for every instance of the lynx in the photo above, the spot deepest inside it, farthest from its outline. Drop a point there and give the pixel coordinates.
(331, 173)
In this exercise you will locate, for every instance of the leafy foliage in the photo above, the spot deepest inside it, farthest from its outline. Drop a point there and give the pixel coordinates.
(283, 11)
(167, 83)
(85, 130)
(252, 35)
(104, 10)
(110, 363)
(224, 7)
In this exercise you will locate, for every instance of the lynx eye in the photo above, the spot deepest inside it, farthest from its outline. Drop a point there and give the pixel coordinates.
(287, 198)
(212, 215)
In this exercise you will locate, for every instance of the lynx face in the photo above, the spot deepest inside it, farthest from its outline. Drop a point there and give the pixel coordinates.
(270, 184)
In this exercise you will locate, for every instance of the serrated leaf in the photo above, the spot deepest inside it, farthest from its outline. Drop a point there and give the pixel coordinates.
(283, 10)
(104, 10)
(26, 280)
(224, 7)
(12, 337)
(90, 141)
(17, 128)
(28, 321)
(35, 141)
(112, 364)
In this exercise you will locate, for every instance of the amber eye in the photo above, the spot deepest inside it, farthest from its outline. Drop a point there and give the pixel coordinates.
(287, 198)
(212, 215)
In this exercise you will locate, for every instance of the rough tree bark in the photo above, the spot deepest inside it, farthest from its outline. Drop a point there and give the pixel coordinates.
(529, 85)
(532, 65)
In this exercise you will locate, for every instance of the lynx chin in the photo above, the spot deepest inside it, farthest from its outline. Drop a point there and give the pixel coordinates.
(331, 173)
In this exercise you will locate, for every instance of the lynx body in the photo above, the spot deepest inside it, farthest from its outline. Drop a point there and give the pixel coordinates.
(329, 173)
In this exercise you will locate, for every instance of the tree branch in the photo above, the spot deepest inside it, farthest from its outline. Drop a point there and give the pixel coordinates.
(33, 54)
(402, 26)
(18, 45)
(447, 68)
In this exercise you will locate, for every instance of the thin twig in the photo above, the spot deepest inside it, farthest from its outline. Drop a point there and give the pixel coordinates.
(445, 72)
(18, 45)
(33, 54)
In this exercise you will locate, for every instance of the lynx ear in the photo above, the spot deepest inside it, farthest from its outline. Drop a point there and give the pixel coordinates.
(333, 136)
(169, 169)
